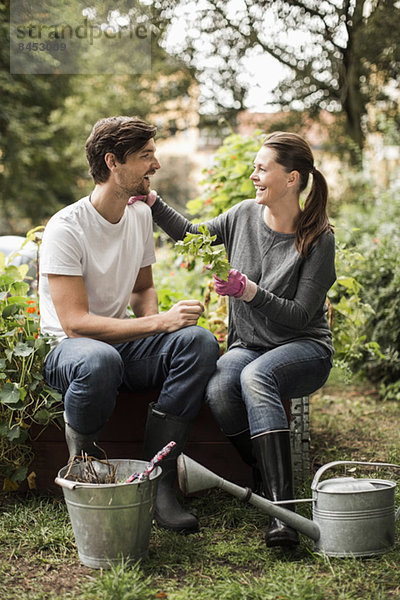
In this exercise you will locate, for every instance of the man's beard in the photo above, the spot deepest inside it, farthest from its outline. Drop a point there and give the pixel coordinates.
(141, 188)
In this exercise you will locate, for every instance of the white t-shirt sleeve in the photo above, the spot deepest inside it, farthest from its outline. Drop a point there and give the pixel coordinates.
(61, 253)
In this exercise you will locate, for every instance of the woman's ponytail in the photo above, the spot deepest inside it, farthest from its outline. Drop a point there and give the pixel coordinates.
(313, 220)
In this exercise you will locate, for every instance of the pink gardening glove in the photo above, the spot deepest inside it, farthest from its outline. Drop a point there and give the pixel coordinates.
(235, 286)
(149, 199)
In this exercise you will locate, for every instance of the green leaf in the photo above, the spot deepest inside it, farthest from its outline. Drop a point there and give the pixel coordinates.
(10, 310)
(20, 288)
(10, 395)
(33, 385)
(10, 333)
(20, 300)
(42, 347)
(15, 434)
(53, 393)
(22, 349)
(42, 416)
(5, 281)
(19, 474)
(37, 376)
(4, 429)
(349, 283)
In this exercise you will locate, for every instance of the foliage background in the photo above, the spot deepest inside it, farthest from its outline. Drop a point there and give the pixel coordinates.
(45, 120)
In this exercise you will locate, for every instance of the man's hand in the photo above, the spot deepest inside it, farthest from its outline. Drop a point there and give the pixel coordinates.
(182, 314)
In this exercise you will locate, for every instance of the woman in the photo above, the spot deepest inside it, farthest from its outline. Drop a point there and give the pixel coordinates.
(279, 341)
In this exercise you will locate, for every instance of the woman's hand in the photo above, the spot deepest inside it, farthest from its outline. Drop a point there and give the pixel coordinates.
(149, 199)
(238, 286)
(235, 285)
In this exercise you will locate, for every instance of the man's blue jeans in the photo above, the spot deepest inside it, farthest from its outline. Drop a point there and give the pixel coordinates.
(89, 373)
(246, 389)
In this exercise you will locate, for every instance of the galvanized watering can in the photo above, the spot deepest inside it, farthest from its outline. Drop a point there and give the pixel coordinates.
(351, 516)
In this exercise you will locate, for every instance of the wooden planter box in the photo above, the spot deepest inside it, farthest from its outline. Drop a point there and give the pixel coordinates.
(122, 437)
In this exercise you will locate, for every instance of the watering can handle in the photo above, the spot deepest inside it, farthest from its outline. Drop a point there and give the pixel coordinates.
(324, 468)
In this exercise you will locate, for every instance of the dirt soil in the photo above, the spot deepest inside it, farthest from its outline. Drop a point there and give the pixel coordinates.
(30, 574)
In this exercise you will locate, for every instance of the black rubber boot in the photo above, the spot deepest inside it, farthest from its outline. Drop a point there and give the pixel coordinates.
(243, 445)
(272, 450)
(79, 443)
(160, 430)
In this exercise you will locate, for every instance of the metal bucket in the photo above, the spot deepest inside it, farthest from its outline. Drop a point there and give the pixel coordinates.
(111, 521)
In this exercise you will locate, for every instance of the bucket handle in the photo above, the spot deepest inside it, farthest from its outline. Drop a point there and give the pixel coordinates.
(67, 483)
(324, 468)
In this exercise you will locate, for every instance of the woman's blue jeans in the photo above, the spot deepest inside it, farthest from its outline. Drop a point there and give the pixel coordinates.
(245, 391)
(89, 374)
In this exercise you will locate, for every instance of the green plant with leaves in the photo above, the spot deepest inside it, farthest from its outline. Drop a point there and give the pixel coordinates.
(381, 283)
(200, 245)
(350, 314)
(374, 234)
(25, 399)
(225, 183)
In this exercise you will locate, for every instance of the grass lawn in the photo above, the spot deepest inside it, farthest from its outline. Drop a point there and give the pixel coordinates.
(227, 559)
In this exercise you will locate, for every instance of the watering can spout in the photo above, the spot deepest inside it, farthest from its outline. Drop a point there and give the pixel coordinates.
(193, 477)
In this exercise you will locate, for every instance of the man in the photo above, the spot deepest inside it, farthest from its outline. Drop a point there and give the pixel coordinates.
(95, 259)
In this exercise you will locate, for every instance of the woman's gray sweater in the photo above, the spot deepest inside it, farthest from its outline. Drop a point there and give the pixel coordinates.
(290, 303)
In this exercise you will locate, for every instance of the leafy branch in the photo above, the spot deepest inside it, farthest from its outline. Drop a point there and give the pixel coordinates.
(200, 245)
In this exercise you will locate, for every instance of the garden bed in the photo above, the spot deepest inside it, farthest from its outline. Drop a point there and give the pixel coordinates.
(122, 437)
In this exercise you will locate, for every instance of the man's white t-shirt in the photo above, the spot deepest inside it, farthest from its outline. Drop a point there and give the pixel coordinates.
(79, 241)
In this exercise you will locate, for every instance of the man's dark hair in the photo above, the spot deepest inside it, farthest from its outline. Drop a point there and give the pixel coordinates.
(121, 136)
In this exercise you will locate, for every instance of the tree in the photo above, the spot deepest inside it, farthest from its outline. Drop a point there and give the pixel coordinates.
(325, 47)
(46, 118)
(33, 175)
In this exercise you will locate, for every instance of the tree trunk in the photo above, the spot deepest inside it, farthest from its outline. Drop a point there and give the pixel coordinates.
(352, 97)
